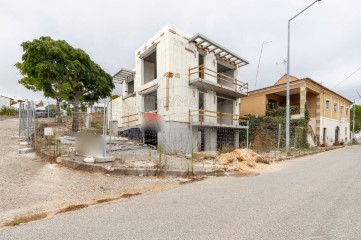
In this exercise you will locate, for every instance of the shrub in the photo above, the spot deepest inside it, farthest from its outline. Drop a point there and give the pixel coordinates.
(8, 111)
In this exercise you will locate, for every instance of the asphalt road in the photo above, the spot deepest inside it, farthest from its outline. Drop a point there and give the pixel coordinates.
(315, 197)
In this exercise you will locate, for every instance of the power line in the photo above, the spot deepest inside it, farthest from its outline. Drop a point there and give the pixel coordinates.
(348, 77)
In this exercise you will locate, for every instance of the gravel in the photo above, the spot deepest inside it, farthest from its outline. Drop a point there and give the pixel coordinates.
(30, 185)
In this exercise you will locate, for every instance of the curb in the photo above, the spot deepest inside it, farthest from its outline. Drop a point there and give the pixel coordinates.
(91, 167)
(310, 153)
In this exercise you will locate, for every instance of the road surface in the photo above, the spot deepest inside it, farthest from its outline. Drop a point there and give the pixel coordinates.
(314, 197)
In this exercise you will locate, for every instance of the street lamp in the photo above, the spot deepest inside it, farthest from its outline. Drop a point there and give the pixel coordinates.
(288, 79)
(353, 115)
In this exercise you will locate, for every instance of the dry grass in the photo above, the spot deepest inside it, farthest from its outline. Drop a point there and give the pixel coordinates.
(105, 200)
(129, 195)
(25, 219)
(73, 208)
(244, 174)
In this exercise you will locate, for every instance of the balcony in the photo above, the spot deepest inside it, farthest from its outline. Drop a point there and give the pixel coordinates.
(207, 79)
(207, 118)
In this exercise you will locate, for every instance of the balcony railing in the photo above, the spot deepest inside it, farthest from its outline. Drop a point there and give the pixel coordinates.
(222, 79)
(206, 117)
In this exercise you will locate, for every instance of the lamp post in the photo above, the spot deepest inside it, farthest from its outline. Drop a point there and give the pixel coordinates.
(353, 116)
(288, 79)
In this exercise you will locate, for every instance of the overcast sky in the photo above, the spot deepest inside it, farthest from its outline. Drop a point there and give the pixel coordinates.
(326, 39)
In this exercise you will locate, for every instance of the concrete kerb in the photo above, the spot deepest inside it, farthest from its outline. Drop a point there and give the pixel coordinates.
(311, 153)
(91, 167)
(25, 150)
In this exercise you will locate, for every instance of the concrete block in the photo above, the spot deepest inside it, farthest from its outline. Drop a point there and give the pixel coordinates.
(25, 150)
(104, 159)
(48, 131)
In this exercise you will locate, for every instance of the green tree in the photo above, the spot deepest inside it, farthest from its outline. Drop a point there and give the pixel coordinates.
(63, 72)
(357, 117)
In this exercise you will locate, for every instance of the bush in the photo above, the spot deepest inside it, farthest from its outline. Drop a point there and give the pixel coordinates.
(8, 111)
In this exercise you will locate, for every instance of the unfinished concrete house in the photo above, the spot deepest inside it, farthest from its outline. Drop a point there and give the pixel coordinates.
(182, 95)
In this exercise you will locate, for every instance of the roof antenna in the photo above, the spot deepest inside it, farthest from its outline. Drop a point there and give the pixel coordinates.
(259, 62)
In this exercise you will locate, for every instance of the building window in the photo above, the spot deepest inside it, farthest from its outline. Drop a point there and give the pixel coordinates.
(150, 67)
(130, 87)
(335, 107)
(327, 104)
(272, 104)
(341, 109)
(346, 111)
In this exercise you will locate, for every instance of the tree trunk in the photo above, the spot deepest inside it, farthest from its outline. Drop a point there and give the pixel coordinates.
(75, 126)
(58, 111)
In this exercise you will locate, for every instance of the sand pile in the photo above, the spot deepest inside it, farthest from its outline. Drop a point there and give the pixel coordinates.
(240, 159)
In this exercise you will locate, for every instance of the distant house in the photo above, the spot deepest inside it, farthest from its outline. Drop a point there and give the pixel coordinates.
(329, 111)
(96, 108)
(5, 101)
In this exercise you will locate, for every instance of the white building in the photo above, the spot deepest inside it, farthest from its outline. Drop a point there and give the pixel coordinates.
(5, 101)
(189, 83)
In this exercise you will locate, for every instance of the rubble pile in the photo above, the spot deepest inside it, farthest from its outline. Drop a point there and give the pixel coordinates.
(239, 160)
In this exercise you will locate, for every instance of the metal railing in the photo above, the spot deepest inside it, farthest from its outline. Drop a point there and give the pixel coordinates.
(224, 80)
(222, 118)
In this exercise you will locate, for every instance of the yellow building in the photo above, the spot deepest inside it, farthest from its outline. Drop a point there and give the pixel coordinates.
(329, 111)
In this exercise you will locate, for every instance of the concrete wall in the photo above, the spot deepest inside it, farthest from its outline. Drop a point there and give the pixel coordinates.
(117, 110)
(226, 106)
(178, 138)
(149, 71)
(330, 125)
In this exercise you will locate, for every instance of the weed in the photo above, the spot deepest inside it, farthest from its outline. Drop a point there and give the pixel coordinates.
(105, 200)
(25, 219)
(129, 195)
(72, 208)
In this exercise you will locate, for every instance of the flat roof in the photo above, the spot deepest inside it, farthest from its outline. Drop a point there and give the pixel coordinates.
(205, 43)
(124, 75)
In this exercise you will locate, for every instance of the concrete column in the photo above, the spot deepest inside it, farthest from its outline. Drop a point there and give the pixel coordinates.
(318, 119)
(302, 100)
(236, 138)
(210, 139)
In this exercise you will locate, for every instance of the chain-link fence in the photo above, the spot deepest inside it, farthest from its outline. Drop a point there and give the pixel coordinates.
(27, 120)
(56, 137)
(126, 135)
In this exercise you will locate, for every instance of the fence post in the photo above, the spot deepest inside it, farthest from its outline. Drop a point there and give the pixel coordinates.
(28, 121)
(104, 129)
(279, 136)
(20, 116)
(247, 133)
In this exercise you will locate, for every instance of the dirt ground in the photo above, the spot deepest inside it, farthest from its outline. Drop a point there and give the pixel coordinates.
(30, 185)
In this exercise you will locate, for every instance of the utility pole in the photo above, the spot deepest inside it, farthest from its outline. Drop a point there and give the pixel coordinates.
(288, 78)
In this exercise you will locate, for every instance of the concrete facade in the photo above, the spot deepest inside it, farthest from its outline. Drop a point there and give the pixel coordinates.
(328, 110)
(188, 85)
(5, 101)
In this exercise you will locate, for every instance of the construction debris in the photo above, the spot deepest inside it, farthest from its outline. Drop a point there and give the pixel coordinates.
(206, 154)
(240, 160)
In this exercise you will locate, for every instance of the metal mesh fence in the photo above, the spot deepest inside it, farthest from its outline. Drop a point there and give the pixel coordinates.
(26, 120)
(126, 134)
